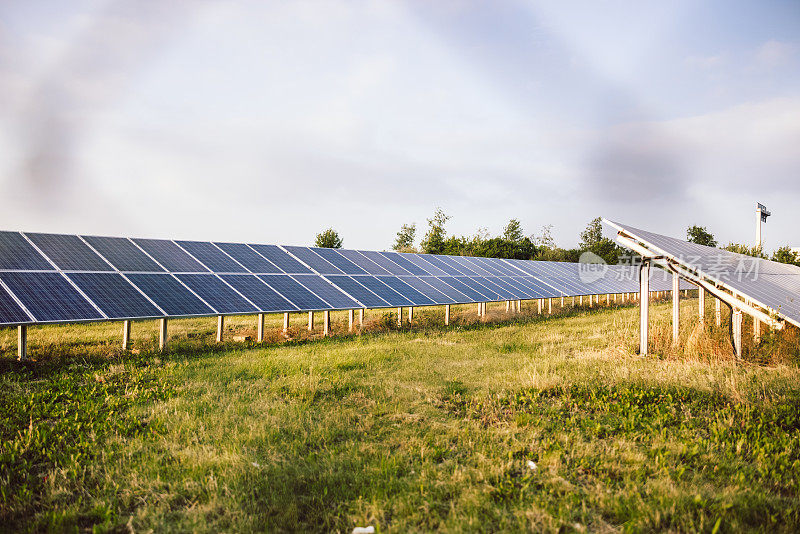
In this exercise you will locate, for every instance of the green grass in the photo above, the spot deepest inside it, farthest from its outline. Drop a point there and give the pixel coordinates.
(413, 430)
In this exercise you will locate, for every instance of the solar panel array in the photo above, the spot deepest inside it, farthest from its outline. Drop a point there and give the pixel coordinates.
(47, 278)
(770, 284)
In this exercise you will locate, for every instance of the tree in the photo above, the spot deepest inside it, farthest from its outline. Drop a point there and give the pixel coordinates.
(513, 231)
(701, 236)
(786, 255)
(328, 239)
(756, 252)
(433, 242)
(405, 238)
(592, 240)
(545, 239)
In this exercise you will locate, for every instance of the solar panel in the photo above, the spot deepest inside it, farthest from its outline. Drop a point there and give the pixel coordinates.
(472, 282)
(313, 260)
(331, 294)
(399, 285)
(281, 259)
(212, 257)
(457, 283)
(217, 293)
(520, 288)
(385, 263)
(441, 264)
(170, 295)
(10, 311)
(68, 252)
(252, 260)
(488, 282)
(447, 289)
(403, 261)
(391, 296)
(170, 255)
(297, 294)
(49, 297)
(427, 267)
(463, 266)
(17, 254)
(358, 291)
(114, 295)
(426, 289)
(335, 258)
(369, 263)
(122, 254)
(259, 293)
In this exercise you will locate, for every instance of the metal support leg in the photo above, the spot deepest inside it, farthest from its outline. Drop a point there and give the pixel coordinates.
(310, 321)
(162, 334)
(701, 306)
(549, 306)
(644, 306)
(410, 315)
(126, 335)
(737, 333)
(350, 320)
(326, 323)
(361, 313)
(446, 314)
(718, 312)
(22, 342)
(676, 307)
(539, 304)
(260, 326)
(220, 327)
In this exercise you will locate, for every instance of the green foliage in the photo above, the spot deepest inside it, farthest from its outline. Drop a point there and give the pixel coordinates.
(756, 252)
(545, 239)
(786, 255)
(433, 242)
(592, 240)
(513, 231)
(513, 244)
(701, 236)
(405, 238)
(328, 239)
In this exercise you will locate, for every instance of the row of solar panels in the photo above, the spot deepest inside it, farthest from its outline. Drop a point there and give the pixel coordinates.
(66, 278)
(771, 284)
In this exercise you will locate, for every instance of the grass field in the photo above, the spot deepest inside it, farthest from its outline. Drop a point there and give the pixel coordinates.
(531, 424)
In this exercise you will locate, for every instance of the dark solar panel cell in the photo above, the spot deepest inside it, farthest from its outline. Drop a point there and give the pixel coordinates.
(399, 285)
(10, 311)
(313, 260)
(170, 255)
(50, 297)
(212, 257)
(17, 254)
(358, 291)
(403, 261)
(434, 294)
(481, 284)
(248, 257)
(392, 297)
(441, 264)
(428, 267)
(519, 291)
(338, 260)
(384, 262)
(504, 292)
(457, 263)
(281, 259)
(367, 263)
(327, 291)
(294, 292)
(123, 255)
(170, 295)
(69, 253)
(217, 293)
(259, 293)
(458, 282)
(446, 288)
(114, 295)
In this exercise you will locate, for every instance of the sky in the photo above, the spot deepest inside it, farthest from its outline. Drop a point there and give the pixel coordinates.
(270, 121)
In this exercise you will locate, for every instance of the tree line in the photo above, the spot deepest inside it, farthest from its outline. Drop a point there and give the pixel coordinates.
(702, 236)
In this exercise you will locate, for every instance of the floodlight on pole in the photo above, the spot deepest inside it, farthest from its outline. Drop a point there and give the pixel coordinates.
(762, 214)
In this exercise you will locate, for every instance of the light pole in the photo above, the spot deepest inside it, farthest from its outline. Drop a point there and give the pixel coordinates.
(762, 214)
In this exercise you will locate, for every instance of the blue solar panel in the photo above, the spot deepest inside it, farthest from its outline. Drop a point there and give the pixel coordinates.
(313, 260)
(217, 293)
(392, 297)
(114, 295)
(335, 258)
(446, 289)
(259, 293)
(50, 297)
(10, 311)
(442, 265)
(385, 263)
(211, 257)
(460, 266)
(170, 255)
(327, 291)
(170, 295)
(17, 254)
(434, 294)
(358, 291)
(123, 255)
(367, 263)
(457, 282)
(504, 292)
(294, 292)
(403, 261)
(281, 259)
(69, 253)
(490, 267)
(426, 266)
(398, 284)
(248, 257)
(539, 289)
(520, 291)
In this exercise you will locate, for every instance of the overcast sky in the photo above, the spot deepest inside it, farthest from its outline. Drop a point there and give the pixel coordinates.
(270, 121)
